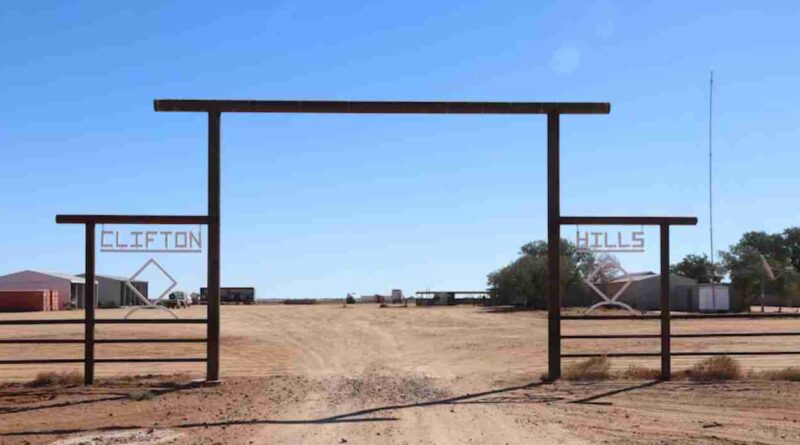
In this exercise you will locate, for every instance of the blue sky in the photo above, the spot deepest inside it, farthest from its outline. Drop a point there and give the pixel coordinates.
(321, 205)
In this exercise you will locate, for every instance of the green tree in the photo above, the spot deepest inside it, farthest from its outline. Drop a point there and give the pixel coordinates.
(524, 281)
(698, 267)
(743, 261)
(788, 286)
(791, 242)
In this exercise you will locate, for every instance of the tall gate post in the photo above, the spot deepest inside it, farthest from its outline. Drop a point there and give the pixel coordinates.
(89, 303)
(212, 334)
(665, 305)
(553, 249)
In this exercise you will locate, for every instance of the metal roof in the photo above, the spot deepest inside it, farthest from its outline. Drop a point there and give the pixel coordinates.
(65, 276)
(113, 277)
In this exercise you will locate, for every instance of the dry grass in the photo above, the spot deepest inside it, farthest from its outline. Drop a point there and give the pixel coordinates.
(51, 378)
(786, 374)
(594, 368)
(635, 372)
(715, 369)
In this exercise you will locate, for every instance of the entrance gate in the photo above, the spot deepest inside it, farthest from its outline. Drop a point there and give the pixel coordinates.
(214, 110)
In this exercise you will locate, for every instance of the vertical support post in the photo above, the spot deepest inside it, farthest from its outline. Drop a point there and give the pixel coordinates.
(89, 303)
(665, 305)
(553, 249)
(213, 326)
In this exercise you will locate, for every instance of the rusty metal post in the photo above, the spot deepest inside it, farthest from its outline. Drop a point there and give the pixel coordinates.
(665, 305)
(553, 249)
(213, 301)
(89, 303)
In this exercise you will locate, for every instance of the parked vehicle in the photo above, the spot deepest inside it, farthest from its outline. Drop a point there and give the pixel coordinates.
(176, 300)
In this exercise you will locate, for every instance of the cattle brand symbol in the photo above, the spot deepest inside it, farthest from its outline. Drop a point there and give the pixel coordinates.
(150, 304)
(604, 266)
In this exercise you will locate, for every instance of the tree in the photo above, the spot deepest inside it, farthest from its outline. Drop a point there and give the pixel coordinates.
(698, 267)
(791, 242)
(743, 261)
(524, 281)
(788, 285)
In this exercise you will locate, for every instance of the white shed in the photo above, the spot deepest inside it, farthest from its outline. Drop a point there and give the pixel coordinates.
(714, 297)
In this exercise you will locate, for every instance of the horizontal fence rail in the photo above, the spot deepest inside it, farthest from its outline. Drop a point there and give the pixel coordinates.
(108, 321)
(151, 321)
(684, 316)
(751, 316)
(150, 360)
(83, 341)
(677, 354)
(697, 335)
(33, 322)
(41, 361)
(44, 341)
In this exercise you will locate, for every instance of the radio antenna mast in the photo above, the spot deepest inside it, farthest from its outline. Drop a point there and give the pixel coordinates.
(710, 180)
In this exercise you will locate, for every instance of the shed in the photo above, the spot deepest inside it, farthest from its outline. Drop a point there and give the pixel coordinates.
(112, 291)
(70, 288)
(714, 298)
(644, 292)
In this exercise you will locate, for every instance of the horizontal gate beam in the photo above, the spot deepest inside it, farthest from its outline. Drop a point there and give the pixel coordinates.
(629, 220)
(378, 107)
(131, 219)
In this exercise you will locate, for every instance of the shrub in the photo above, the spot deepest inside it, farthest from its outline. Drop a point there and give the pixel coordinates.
(715, 369)
(635, 372)
(594, 368)
(787, 374)
(51, 378)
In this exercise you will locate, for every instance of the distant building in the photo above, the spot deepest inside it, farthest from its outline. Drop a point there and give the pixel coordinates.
(112, 291)
(70, 288)
(372, 298)
(644, 291)
(450, 298)
(397, 296)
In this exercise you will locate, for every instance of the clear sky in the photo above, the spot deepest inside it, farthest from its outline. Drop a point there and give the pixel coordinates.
(321, 205)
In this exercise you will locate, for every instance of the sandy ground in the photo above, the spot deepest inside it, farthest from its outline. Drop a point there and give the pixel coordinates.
(326, 374)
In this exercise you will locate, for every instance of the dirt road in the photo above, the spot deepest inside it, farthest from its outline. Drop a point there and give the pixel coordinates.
(326, 374)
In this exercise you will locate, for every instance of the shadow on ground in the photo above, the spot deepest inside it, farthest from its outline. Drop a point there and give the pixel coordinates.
(507, 395)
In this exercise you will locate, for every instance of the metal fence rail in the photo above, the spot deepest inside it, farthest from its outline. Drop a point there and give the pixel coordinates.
(683, 316)
(89, 341)
(667, 336)
(554, 300)
(678, 354)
